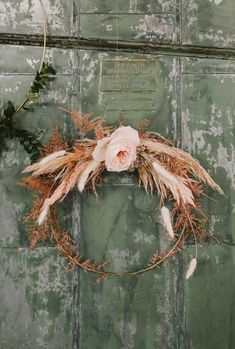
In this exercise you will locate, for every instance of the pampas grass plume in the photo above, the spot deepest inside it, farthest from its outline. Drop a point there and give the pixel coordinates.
(52, 156)
(175, 184)
(44, 161)
(191, 268)
(166, 220)
(43, 214)
(86, 173)
(164, 173)
(192, 164)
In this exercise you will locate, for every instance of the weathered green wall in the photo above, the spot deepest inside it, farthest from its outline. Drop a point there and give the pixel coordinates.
(190, 98)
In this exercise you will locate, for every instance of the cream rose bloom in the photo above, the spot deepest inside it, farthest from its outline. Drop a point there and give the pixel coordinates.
(119, 150)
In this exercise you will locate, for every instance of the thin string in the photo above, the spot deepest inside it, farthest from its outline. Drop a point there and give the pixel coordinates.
(43, 13)
(117, 53)
(194, 235)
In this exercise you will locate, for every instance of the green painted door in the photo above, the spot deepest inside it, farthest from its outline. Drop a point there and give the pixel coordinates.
(172, 62)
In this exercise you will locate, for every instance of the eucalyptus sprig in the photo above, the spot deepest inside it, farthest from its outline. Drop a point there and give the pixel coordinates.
(8, 129)
(41, 80)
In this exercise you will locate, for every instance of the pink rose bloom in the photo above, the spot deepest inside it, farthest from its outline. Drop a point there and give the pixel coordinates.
(119, 150)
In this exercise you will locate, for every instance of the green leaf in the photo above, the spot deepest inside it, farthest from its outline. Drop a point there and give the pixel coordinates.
(29, 141)
(34, 89)
(28, 109)
(32, 96)
(9, 109)
(3, 144)
(48, 69)
(38, 85)
(40, 81)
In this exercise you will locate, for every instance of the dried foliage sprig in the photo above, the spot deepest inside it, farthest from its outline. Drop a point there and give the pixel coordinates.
(174, 174)
(8, 129)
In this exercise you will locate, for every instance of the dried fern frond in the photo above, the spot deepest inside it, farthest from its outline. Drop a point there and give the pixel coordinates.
(85, 124)
(37, 184)
(55, 143)
(36, 236)
(33, 214)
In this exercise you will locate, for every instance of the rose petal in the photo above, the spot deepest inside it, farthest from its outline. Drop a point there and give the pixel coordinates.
(122, 141)
(100, 149)
(126, 132)
(116, 163)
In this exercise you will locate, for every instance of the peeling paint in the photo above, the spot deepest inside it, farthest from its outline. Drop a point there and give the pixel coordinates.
(36, 296)
(208, 23)
(25, 16)
(140, 236)
(151, 27)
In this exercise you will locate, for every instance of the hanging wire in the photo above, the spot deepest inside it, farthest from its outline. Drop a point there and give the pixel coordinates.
(43, 13)
(117, 59)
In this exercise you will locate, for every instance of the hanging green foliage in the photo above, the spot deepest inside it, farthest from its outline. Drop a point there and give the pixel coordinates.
(8, 128)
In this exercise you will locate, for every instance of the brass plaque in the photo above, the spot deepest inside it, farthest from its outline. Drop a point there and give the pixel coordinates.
(128, 84)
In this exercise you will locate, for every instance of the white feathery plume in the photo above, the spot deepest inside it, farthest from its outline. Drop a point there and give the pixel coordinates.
(191, 268)
(166, 220)
(43, 213)
(91, 167)
(193, 165)
(31, 168)
(41, 165)
(163, 172)
(174, 183)
(60, 174)
(55, 155)
(60, 192)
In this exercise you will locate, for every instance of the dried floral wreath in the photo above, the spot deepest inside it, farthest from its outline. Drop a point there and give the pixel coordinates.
(173, 173)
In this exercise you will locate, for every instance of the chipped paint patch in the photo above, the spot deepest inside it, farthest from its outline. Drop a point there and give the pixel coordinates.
(109, 28)
(208, 23)
(37, 300)
(226, 161)
(25, 16)
(32, 62)
(121, 259)
(152, 27)
(139, 236)
(127, 332)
